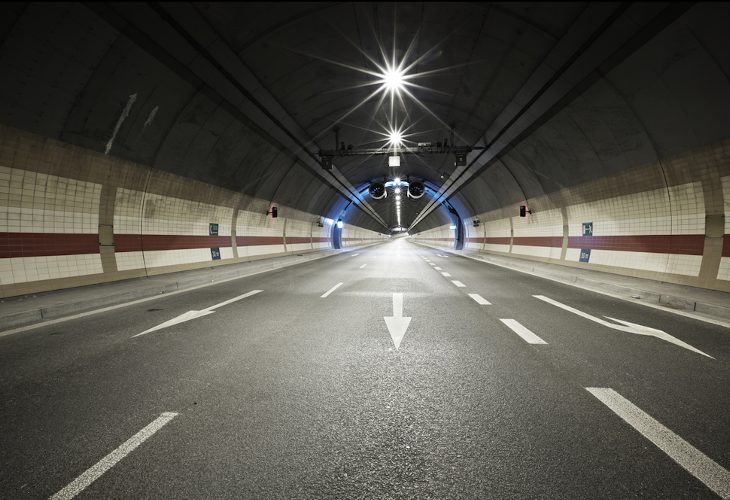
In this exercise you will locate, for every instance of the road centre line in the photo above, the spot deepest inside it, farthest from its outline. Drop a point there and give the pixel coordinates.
(97, 470)
(438, 268)
(523, 332)
(480, 300)
(431, 264)
(446, 274)
(459, 284)
(326, 294)
(713, 475)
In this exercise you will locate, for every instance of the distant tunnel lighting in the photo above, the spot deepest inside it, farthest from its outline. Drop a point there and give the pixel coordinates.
(452, 227)
(394, 161)
(397, 190)
(339, 224)
(397, 180)
(397, 198)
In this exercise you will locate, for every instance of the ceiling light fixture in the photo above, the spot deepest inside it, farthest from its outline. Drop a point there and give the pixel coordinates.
(393, 78)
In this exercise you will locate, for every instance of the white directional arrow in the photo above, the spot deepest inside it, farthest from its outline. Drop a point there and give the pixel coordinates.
(625, 326)
(197, 314)
(397, 324)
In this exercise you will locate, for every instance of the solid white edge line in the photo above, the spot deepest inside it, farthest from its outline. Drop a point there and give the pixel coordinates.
(480, 300)
(523, 332)
(331, 290)
(458, 283)
(713, 475)
(97, 470)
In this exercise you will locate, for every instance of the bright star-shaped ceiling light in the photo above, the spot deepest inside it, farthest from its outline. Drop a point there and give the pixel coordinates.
(393, 79)
(396, 138)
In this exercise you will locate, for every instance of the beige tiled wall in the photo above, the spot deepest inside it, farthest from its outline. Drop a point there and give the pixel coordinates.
(50, 187)
(723, 272)
(636, 202)
(36, 202)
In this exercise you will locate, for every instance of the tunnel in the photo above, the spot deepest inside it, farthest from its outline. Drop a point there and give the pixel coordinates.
(364, 250)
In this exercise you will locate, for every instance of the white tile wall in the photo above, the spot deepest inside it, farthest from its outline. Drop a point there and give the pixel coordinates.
(25, 269)
(32, 202)
(724, 272)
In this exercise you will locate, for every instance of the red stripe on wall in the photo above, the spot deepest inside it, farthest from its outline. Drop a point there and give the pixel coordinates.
(726, 245)
(151, 242)
(538, 241)
(320, 240)
(47, 244)
(292, 240)
(493, 241)
(246, 241)
(686, 244)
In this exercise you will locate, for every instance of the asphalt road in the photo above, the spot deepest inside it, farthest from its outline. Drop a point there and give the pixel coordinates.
(289, 394)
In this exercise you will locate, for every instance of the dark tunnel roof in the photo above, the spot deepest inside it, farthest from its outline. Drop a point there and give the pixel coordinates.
(245, 95)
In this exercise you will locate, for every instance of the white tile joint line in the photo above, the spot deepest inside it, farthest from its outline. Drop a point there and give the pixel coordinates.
(97, 470)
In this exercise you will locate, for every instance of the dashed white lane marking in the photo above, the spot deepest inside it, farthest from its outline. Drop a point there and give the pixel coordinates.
(438, 268)
(480, 300)
(326, 294)
(355, 254)
(363, 266)
(523, 332)
(109, 461)
(713, 475)
(431, 264)
(458, 283)
(446, 274)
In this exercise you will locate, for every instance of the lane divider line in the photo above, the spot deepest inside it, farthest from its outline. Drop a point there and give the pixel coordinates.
(712, 474)
(446, 274)
(326, 294)
(459, 284)
(480, 300)
(97, 470)
(438, 268)
(363, 266)
(523, 332)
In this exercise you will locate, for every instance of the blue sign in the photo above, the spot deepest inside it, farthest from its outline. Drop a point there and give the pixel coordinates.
(587, 229)
(213, 229)
(585, 254)
(215, 253)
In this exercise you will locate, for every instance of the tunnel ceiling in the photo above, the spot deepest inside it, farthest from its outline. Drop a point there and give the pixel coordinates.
(245, 95)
